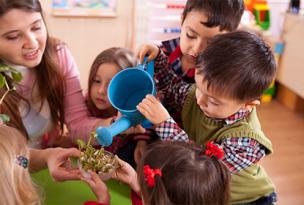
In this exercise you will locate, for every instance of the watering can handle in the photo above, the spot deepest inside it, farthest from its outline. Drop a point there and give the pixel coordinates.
(148, 66)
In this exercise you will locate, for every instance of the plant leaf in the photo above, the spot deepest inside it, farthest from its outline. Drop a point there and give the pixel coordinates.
(2, 80)
(17, 76)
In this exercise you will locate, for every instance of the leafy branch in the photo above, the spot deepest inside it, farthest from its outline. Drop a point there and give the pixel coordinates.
(16, 77)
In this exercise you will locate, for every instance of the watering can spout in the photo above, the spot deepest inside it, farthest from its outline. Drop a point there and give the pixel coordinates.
(105, 134)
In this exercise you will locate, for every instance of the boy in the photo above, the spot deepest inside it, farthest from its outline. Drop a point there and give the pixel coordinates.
(200, 21)
(231, 74)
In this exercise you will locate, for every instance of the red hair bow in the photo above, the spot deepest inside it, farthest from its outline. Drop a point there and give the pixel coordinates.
(213, 150)
(150, 174)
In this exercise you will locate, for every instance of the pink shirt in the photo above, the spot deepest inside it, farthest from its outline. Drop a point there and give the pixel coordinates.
(77, 119)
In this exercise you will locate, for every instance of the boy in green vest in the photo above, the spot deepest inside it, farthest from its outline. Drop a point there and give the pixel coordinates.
(200, 21)
(231, 75)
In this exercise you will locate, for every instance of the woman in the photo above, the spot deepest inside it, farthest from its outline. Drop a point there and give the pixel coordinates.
(50, 81)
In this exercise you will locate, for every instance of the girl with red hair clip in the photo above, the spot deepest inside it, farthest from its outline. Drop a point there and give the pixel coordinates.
(182, 174)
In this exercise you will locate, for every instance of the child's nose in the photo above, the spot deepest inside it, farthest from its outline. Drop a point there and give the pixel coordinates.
(102, 89)
(197, 48)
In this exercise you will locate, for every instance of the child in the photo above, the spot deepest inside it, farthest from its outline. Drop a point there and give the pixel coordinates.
(181, 174)
(105, 66)
(16, 185)
(200, 21)
(231, 74)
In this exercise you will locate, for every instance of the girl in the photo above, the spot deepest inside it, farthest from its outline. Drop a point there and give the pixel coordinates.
(181, 174)
(105, 66)
(16, 185)
(50, 81)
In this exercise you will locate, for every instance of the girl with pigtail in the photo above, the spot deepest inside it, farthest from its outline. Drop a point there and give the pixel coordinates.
(182, 174)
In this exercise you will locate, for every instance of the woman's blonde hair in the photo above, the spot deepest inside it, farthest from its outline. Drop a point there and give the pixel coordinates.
(16, 185)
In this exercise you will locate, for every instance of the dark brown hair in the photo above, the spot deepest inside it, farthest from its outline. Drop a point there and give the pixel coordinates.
(238, 65)
(10, 106)
(223, 13)
(188, 177)
(122, 57)
(50, 79)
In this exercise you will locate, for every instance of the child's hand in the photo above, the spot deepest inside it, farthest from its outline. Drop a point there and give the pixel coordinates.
(138, 129)
(126, 174)
(141, 146)
(147, 49)
(153, 110)
(98, 187)
(59, 164)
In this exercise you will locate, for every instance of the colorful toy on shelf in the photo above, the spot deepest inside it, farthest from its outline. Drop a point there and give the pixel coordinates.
(261, 11)
(294, 6)
(269, 93)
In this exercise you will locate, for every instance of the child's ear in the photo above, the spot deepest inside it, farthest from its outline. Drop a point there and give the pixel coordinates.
(252, 104)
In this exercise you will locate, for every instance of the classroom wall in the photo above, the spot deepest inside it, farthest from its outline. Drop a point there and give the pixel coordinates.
(87, 36)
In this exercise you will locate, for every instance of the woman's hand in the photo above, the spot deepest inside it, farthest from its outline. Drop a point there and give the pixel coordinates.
(147, 49)
(153, 110)
(59, 163)
(126, 174)
(98, 187)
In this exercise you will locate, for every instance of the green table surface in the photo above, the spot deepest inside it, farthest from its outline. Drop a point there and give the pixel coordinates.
(77, 192)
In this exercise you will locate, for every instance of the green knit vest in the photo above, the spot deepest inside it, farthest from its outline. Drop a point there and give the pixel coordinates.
(249, 184)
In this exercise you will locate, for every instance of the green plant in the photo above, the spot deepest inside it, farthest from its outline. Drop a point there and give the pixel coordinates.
(97, 160)
(15, 75)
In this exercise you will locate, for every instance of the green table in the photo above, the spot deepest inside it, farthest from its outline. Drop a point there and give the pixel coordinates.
(77, 192)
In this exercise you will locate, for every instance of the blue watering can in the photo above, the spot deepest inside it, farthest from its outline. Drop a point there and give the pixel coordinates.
(126, 90)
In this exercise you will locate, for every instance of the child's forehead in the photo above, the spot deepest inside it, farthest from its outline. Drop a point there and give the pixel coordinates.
(198, 20)
(216, 91)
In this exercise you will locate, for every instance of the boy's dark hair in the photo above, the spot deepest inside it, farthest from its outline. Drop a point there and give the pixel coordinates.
(187, 176)
(238, 64)
(223, 13)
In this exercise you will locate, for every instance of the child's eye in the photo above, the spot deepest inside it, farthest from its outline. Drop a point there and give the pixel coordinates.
(36, 28)
(11, 38)
(190, 36)
(214, 103)
(97, 81)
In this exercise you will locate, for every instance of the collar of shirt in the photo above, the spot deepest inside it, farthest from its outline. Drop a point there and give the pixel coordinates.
(234, 117)
(172, 49)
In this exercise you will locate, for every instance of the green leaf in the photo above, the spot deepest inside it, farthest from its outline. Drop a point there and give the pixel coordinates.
(2, 80)
(4, 68)
(17, 76)
(81, 144)
(4, 118)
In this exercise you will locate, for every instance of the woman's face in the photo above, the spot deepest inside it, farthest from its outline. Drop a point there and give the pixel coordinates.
(23, 38)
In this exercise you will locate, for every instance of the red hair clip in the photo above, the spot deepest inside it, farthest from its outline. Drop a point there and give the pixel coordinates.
(150, 174)
(213, 150)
